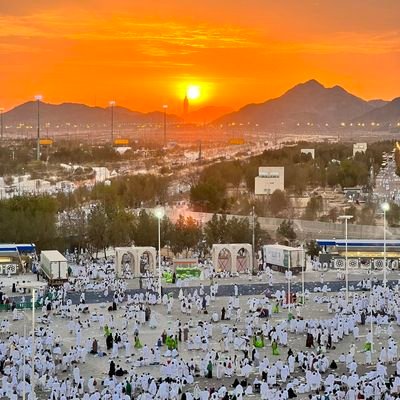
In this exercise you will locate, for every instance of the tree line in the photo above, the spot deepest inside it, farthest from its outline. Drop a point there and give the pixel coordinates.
(97, 226)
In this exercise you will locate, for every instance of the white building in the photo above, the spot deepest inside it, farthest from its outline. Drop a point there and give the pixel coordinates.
(359, 148)
(102, 174)
(308, 151)
(269, 179)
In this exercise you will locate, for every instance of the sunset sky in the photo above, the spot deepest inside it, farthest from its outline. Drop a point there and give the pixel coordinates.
(143, 54)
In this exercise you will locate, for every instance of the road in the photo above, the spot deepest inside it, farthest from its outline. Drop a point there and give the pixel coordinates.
(245, 289)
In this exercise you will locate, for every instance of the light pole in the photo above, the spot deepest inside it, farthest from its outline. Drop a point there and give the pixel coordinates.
(302, 276)
(112, 105)
(38, 99)
(371, 322)
(385, 207)
(165, 107)
(288, 276)
(346, 218)
(254, 239)
(33, 346)
(159, 212)
(1, 122)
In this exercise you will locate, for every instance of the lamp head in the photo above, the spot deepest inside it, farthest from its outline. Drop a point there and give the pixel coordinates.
(345, 217)
(385, 206)
(159, 212)
(112, 103)
(38, 97)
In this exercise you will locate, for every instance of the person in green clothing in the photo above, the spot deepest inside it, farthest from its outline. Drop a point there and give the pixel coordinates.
(137, 345)
(258, 341)
(171, 343)
(275, 308)
(209, 369)
(275, 350)
(107, 331)
(128, 388)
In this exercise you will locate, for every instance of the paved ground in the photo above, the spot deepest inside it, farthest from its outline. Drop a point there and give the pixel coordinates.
(97, 366)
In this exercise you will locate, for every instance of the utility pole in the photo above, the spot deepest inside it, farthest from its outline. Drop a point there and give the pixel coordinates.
(254, 239)
(112, 104)
(200, 155)
(38, 99)
(165, 107)
(1, 122)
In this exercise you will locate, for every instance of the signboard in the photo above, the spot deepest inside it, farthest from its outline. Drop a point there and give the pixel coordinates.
(185, 262)
(121, 142)
(45, 142)
(5, 269)
(236, 141)
(276, 257)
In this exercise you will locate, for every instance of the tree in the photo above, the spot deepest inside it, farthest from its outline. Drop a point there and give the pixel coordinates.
(313, 248)
(209, 195)
(186, 235)
(393, 215)
(333, 214)
(286, 231)
(146, 230)
(97, 229)
(367, 215)
(120, 225)
(215, 230)
(72, 229)
(277, 202)
(314, 206)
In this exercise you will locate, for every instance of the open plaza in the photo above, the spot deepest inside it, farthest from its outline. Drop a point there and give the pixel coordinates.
(104, 334)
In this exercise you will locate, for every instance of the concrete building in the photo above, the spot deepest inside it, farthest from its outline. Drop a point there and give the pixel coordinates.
(102, 174)
(359, 148)
(308, 151)
(269, 179)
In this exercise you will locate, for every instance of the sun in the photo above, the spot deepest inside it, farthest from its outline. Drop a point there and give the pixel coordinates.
(193, 92)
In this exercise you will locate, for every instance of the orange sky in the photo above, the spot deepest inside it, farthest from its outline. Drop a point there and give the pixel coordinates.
(143, 53)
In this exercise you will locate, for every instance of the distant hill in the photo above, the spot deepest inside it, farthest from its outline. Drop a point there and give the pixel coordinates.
(79, 114)
(207, 114)
(388, 114)
(378, 103)
(306, 102)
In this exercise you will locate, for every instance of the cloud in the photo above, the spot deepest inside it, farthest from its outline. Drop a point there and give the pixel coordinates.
(122, 28)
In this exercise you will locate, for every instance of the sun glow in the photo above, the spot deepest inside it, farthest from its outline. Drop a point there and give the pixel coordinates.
(193, 92)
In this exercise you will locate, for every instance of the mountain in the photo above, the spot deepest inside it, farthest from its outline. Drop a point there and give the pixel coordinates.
(207, 114)
(306, 102)
(388, 114)
(79, 114)
(378, 103)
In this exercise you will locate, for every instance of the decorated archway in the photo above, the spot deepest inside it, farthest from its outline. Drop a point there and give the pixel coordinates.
(243, 260)
(147, 262)
(236, 257)
(142, 260)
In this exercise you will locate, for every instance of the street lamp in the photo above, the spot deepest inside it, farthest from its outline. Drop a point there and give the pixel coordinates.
(254, 239)
(38, 99)
(159, 212)
(289, 276)
(112, 105)
(32, 378)
(385, 207)
(302, 275)
(346, 218)
(165, 107)
(1, 122)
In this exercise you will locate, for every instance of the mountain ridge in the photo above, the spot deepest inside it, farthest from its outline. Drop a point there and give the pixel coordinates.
(306, 102)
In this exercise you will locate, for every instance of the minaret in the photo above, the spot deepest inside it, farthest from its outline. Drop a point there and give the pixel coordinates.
(185, 107)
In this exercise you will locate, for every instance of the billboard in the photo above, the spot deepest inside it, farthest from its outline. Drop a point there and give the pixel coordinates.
(121, 142)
